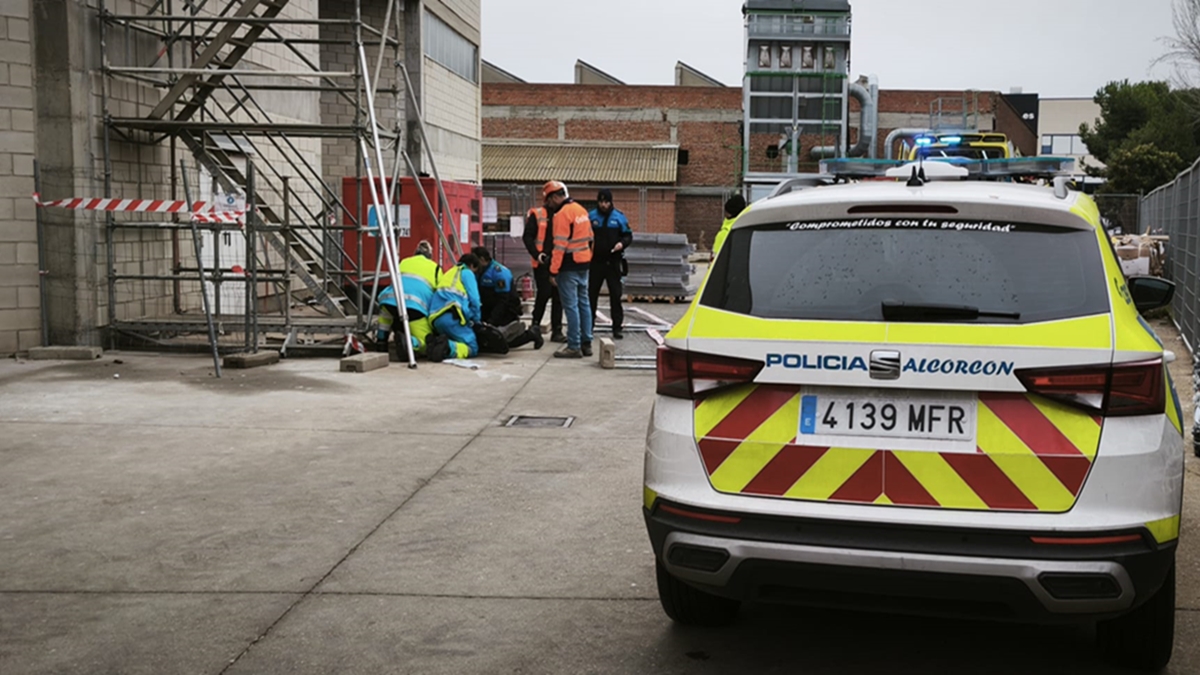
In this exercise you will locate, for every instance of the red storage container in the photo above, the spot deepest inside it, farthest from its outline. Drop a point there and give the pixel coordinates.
(465, 214)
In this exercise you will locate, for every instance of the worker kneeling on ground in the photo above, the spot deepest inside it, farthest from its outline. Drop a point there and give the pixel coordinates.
(455, 310)
(419, 276)
(502, 304)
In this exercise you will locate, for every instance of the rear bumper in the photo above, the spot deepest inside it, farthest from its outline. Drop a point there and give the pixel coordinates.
(959, 574)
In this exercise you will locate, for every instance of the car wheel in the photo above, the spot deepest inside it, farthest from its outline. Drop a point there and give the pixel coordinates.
(1142, 639)
(690, 606)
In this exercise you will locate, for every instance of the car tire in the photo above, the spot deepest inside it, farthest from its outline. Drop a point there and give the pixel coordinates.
(691, 606)
(1144, 638)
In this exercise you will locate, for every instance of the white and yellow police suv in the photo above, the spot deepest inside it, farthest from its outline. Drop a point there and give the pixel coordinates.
(932, 396)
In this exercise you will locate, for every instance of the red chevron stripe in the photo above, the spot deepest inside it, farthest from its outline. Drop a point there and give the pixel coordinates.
(1067, 462)
(901, 486)
(713, 452)
(1030, 425)
(757, 408)
(988, 481)
(782, 472)
(865, 485)
(1070, 471)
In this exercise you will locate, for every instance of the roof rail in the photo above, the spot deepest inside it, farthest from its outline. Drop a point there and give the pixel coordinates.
(800, 183)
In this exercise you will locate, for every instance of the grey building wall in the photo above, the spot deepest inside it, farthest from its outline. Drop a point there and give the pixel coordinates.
(20, 323)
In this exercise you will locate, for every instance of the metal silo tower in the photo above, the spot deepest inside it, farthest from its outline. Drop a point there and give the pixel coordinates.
(796, 86)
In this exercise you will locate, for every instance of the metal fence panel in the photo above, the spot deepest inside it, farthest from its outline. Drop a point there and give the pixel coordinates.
(1174, 210)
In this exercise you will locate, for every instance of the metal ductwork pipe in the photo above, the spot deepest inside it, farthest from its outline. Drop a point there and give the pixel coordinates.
(897, 134)
(868, 126)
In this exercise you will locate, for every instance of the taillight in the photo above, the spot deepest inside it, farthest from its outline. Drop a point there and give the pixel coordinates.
(1121, 389)
(683, 374)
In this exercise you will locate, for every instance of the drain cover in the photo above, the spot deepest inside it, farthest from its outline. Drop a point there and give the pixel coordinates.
(530, 421)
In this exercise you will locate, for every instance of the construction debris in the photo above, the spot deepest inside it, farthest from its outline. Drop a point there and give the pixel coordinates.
(1141, 255)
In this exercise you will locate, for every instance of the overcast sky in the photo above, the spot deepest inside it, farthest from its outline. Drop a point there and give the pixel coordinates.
(1055, 48)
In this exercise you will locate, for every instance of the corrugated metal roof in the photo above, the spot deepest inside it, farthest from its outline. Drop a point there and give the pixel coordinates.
(536, 163)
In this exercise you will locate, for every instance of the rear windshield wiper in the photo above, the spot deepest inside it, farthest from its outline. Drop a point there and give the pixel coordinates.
(903, 311)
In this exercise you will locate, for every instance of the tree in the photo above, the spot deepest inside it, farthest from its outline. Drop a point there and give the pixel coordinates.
(1142, 123)
(1144, 113)
(1141, 168)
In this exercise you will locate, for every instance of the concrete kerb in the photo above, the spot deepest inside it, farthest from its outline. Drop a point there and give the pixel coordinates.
(363, 363)
(65, 353)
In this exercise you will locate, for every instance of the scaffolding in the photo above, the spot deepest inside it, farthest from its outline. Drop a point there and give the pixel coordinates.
(300, 286)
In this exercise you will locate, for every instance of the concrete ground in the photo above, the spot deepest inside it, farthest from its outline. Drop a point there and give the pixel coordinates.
(300, 520)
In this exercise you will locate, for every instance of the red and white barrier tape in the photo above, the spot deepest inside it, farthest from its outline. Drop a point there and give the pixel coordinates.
(133, 205)
(200, 211)
(219, 217)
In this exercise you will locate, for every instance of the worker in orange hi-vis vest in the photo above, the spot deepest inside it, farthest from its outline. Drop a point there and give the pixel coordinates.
(569, 263)
(537, 241)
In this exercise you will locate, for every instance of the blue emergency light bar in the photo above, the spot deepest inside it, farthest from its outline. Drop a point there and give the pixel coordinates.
(1016, 167)
(950, 140)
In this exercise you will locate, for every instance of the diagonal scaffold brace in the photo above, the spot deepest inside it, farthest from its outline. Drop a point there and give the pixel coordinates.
(385, 214)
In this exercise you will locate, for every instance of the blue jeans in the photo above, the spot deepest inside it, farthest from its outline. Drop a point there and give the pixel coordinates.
(573, 290)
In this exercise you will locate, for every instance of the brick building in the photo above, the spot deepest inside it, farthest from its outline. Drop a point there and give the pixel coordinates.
(549, 124)
(694, 128)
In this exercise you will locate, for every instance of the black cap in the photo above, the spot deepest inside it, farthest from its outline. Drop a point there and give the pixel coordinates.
(605, 195)
(735, 206)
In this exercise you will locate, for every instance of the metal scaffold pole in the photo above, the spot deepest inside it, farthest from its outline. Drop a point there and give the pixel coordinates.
(385, 214)
(212, 329)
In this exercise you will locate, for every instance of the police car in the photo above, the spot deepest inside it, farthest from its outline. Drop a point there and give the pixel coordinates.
(921, 396)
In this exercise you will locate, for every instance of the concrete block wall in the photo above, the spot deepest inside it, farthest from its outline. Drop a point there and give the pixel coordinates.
(20, 313)
(453, 104)
(452, 116)
(340, 155)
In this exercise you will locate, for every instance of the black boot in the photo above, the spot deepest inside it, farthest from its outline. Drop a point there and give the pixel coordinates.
(437, 348)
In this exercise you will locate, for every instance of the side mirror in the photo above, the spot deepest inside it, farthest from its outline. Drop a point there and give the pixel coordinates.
(1150, 292)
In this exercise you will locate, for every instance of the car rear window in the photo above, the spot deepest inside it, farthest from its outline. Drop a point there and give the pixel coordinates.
(846, 270)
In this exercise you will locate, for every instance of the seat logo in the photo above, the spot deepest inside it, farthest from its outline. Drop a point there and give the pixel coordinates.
(885, 365)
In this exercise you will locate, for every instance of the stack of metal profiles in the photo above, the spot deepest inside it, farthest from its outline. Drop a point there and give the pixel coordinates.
(658, 266)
